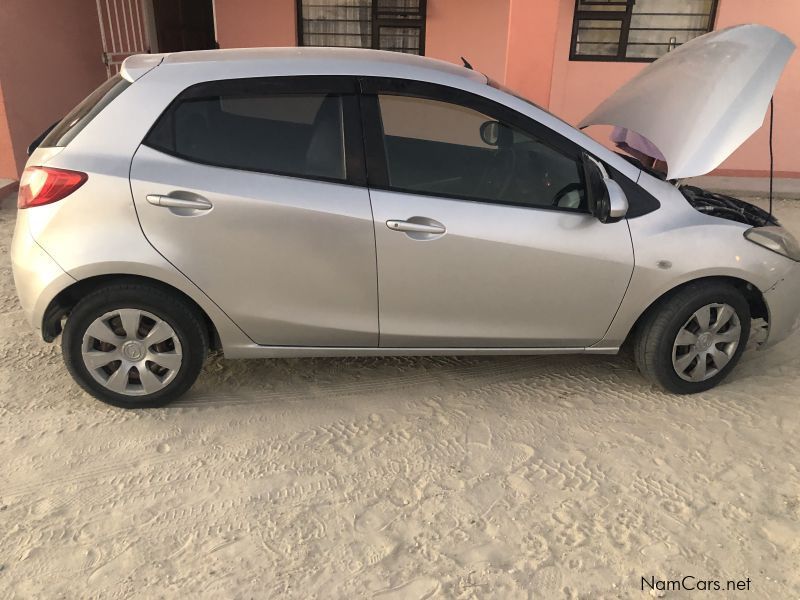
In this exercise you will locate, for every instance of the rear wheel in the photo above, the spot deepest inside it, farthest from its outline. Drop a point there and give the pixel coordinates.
(134, 345)
(693, 339)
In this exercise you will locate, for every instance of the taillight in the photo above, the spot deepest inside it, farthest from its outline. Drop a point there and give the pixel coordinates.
(43, 185)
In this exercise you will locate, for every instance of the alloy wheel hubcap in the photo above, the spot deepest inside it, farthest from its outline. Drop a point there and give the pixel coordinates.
(131, 352)
(706, 342)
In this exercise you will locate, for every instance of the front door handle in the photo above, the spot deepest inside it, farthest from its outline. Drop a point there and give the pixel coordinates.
(196, 203)
(410, 226)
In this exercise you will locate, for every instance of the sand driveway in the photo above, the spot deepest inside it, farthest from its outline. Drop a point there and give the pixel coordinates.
(512, 477)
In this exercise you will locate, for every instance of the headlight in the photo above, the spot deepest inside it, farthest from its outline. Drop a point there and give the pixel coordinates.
(776, 239)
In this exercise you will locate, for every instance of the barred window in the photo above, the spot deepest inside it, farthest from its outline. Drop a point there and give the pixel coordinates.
(637, 30)
(397, 25)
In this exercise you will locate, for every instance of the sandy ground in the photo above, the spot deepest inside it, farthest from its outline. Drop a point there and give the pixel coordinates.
(396, 478)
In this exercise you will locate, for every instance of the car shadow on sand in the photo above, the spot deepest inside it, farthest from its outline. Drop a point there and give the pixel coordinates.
(603, 378)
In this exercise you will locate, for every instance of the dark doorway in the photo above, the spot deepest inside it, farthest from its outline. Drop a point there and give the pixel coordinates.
(184, 25)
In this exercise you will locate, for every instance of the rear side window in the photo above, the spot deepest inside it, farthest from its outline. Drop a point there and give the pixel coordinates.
(296, 134)
(80, 116)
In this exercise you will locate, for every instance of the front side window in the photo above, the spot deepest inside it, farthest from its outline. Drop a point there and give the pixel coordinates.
(397, 25)
(637, 30)
(297, 134)
(439, 148)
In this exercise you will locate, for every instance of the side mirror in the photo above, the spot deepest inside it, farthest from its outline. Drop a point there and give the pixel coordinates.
(617, 200)
(607, 201)
(490, 132)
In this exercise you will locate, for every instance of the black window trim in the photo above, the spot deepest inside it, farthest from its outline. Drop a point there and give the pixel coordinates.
(346, 85)
(378, 22)
(365, 158)
(377, 168)
(625, 24)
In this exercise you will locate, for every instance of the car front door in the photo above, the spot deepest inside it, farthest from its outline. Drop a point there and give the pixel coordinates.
(255, 190)
(482, 233)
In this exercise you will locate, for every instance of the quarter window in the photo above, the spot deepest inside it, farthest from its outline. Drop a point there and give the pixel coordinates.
(80, 116)
(397, 25)
(292, 134)
(439, 148)
(637, 30)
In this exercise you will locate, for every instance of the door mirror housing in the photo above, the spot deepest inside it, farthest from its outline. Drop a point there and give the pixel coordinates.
(617, 200)
(607, 202)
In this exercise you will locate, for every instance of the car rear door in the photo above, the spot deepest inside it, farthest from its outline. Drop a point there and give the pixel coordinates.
(255, 190)
(484, 244)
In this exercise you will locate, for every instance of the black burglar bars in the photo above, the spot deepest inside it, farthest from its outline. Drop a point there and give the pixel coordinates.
(396, 25)
(637, 30)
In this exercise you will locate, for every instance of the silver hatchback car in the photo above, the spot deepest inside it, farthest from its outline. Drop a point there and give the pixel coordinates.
(318, 202)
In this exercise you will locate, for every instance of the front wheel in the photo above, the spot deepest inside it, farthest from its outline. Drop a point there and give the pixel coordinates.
(134, 345)
(692, 340)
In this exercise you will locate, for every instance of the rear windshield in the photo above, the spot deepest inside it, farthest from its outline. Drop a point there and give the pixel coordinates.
(82, 115)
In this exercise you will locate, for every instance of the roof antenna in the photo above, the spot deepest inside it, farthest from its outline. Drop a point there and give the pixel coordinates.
(466, 64)
(771, 157)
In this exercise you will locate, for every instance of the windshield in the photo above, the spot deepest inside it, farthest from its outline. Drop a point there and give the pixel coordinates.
(80, 116)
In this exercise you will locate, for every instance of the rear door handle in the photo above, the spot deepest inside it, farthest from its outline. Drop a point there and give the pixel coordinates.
(197, 203)
(410, 226)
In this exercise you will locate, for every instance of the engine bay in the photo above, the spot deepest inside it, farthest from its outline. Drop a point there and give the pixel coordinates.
(727, 207)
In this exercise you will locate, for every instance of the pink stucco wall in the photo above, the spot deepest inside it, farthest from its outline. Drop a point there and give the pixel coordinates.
(531, 47)
(249, 23)
(50, 58)
(523, 43)
(474, 29)
(577, 87)
(8, 165)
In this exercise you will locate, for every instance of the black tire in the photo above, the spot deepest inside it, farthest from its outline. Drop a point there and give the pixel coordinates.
(184, 319)
(656, 334)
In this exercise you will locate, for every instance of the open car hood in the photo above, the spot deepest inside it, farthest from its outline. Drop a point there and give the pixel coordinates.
(701, 101)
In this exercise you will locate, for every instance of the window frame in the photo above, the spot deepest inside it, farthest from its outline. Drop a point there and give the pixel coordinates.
(624, 18)
(377, 166)
(376, 22)
(345, 86)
